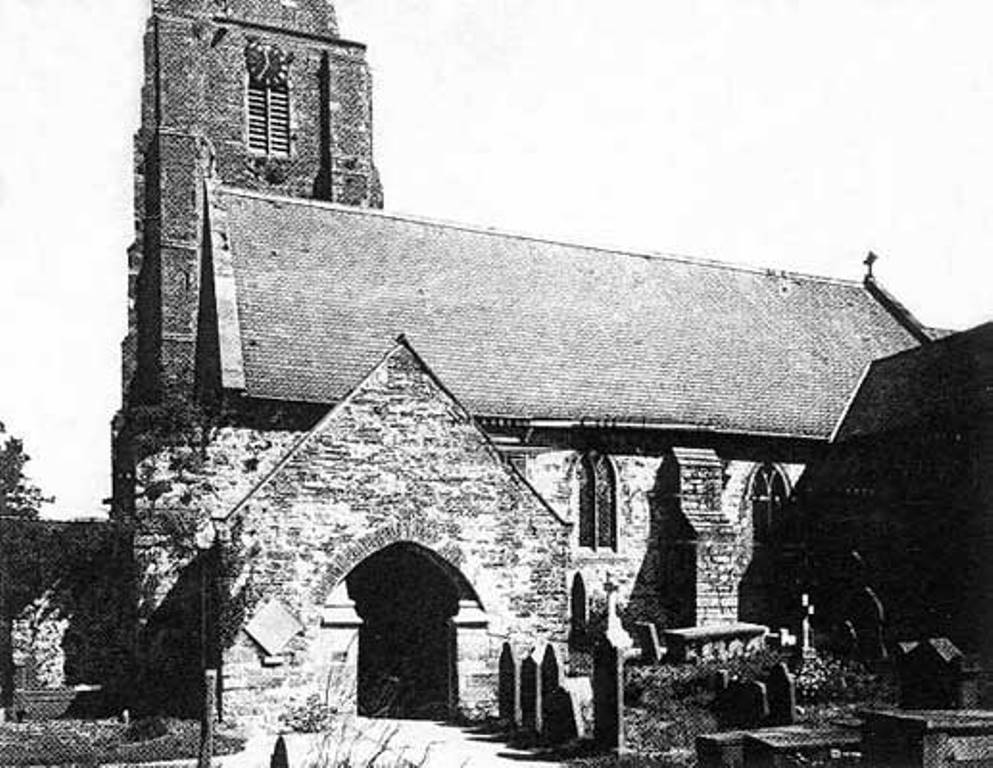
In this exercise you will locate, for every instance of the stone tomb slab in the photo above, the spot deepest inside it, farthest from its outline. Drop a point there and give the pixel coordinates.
(928, 738)
(692, 644)
(779, 747)
(770, 746)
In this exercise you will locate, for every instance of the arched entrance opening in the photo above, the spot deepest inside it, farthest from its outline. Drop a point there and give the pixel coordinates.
(407, 598)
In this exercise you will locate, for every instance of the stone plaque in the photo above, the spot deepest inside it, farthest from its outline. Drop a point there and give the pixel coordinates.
(273, 626)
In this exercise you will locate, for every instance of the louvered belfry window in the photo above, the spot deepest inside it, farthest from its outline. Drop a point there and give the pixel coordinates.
(268, 99)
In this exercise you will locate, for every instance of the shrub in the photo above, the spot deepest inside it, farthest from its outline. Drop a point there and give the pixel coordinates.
(146, 729)
(309, 716)
(827, 679)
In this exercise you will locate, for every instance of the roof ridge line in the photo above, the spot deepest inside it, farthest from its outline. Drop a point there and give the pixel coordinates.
(498, 232)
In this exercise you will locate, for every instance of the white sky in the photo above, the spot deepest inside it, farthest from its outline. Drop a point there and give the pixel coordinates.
(783, 133)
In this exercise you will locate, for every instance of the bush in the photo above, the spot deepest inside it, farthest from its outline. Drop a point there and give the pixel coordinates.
(671, 705)
(827, 679)
(146, 729)
(309, 716)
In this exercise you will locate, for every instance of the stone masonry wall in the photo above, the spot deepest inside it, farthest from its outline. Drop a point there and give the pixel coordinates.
(194, 124)
(398, 461)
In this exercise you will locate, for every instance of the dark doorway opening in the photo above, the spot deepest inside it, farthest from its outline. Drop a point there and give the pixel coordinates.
(407, 655)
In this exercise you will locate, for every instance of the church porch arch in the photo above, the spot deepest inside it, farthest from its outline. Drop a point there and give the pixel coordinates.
(406, 634)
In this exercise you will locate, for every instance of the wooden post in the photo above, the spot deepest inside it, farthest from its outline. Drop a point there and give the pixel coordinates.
(207, 719)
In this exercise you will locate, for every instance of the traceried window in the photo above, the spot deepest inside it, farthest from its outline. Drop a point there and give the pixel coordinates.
(268, 100)
(768, 495)
(597, 502)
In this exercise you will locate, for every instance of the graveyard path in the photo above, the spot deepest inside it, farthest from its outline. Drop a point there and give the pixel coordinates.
(441, 745)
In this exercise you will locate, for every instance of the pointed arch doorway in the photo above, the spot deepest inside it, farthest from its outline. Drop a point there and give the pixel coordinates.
(417, 627)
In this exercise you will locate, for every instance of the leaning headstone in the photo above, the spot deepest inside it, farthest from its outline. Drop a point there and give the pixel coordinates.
(530, 694)
(781, 692)
(648, 641)
(869, 618)
(507, 687)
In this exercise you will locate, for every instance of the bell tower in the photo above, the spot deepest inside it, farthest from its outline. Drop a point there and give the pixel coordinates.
(260, 94)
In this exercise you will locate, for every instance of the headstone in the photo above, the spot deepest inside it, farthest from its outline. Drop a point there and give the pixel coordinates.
(933, 675)
(869, 619)
(530, 694)
(608, 679)
(648, 640)
(744, 704)
(557, 717)
(781, 691)
(720, 681)
(280, 757)
(608, 695)
(507, 687)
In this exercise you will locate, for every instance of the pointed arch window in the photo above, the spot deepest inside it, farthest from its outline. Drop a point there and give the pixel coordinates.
(597, 502)
(768, 496)
(268, 100)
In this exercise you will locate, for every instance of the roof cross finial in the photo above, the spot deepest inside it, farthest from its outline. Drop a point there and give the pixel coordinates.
(871, 259)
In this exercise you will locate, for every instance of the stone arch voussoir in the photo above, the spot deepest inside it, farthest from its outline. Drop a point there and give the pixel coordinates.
(432, 537)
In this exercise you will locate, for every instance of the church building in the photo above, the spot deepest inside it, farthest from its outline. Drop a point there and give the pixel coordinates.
(388, 445)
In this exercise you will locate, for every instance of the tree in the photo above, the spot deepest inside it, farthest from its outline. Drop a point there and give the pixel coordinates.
(19, 497)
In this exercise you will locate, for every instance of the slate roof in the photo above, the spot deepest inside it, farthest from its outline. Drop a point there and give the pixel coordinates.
(947, 381)
(522, 327)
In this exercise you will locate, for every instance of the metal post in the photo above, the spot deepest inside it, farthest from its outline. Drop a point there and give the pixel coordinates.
(207, 721)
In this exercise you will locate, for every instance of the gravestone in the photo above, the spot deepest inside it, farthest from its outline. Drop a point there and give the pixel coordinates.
(280, 757)
(608, 678)
(869, 617)
(608, 695)
(507, 687)
(781, 692)
(933, 675)
(719, 681)
(744, 704)
(648, 641)
(558, 723)
(530, 694)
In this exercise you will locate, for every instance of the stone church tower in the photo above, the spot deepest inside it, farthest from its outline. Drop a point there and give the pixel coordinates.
(258, 94)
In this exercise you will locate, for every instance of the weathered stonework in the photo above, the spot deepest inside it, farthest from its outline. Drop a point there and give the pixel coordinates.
(194, 127)
(398, 462)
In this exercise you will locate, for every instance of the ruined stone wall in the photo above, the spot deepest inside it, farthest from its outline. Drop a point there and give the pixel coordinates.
(64, 605)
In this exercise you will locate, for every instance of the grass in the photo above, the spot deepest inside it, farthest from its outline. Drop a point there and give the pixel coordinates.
(91, 742)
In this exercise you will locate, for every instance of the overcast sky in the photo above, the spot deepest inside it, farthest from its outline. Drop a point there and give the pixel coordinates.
(788, 134)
